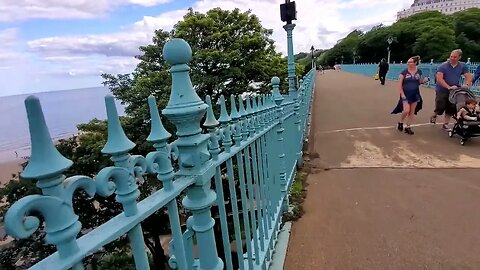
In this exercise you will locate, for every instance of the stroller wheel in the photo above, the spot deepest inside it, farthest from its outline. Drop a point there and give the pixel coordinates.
(450, 133)
(463, 141)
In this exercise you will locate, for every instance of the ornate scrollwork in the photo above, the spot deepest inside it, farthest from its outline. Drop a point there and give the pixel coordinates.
(121, 181)
(73, 183)
(111, 179)
(138, 165)
(61, 222)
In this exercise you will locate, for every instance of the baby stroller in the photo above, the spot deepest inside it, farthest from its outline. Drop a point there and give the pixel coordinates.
(465, 129)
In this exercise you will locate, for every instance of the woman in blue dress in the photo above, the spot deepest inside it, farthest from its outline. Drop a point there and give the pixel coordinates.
(409, 88)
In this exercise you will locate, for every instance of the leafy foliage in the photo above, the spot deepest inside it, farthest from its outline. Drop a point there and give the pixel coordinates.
(431, 34)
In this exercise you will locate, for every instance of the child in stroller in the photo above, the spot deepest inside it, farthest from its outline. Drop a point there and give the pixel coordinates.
(468, 121)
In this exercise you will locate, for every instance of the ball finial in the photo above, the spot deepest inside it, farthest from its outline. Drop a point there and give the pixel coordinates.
(275, 80)
(177, 51)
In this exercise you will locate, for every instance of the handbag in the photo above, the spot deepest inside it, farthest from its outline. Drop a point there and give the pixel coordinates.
(376, 77)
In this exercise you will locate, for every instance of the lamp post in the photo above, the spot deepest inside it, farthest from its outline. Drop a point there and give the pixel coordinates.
(313, 62)
(342, 59)
(389, 40)
(288, 13)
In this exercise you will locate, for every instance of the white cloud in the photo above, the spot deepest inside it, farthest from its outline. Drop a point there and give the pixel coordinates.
(8, 41)
(85, 67)
(117, 44)
(320, 23)
(16, 10)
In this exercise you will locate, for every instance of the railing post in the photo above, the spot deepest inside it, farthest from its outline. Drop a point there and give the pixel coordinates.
(185, 110)
(124, 174)
(290, 58)
(225, 135)
(160, 162)
(46, 165)
(278, 98)
(298, 134)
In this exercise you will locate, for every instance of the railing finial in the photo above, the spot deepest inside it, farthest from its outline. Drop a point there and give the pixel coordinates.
(233, 109)
(184, 101)
(277, 97)
(158, 132)
(224, 117)
(45, 160)
(117, 141)
(211, 120)
(248, 110)
(241, 107)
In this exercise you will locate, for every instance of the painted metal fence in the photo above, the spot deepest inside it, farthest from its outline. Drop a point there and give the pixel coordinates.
(255, 149)
(428, 70)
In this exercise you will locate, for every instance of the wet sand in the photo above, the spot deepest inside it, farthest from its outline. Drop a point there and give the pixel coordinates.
(8, 168)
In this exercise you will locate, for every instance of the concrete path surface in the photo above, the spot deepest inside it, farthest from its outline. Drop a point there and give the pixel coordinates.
(378, 198)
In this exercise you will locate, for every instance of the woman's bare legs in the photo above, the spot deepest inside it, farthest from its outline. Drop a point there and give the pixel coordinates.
(411, 114)
(405, 112)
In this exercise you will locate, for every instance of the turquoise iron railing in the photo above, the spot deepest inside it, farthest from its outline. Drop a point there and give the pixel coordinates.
(428, 70)
(256, 149)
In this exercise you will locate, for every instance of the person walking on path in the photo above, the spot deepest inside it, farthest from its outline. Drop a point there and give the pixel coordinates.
(447, 79)
(382, 71)
(410, 98)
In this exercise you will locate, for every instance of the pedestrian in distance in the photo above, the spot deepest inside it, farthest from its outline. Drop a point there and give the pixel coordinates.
(382, 71)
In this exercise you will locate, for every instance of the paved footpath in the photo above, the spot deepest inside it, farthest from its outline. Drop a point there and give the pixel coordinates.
(381, 199)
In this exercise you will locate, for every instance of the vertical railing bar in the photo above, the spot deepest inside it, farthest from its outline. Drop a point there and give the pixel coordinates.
(261, 193)
(188, 243)
(251, 203)
(258, 200)
(223, 218)
(118, 147)
(272, 180)
(245, 208)
(236, 218)
(214, 148)
(241, 134)
(264, 187)
(161, 161)
(175, 228)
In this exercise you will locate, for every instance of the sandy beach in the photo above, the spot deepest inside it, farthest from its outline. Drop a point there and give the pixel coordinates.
(8, 168)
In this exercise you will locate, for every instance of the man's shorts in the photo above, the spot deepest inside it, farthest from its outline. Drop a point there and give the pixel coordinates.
(442, 104)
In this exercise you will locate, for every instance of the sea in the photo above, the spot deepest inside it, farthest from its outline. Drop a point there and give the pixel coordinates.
(63, 111)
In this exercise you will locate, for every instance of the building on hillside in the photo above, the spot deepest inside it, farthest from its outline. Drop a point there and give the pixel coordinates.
(444, 6)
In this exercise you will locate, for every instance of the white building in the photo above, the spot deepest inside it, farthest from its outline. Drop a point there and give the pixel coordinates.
(444, 6)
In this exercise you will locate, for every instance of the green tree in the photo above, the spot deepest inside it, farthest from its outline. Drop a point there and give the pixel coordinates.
(467, 31)
(344, 49)
(435, 44)
(430, 34)
(231, 51)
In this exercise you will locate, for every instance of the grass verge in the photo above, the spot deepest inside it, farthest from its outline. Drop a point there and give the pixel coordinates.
(298, 193)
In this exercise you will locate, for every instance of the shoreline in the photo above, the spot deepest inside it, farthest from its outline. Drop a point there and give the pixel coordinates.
(11, 160)
(7, 168)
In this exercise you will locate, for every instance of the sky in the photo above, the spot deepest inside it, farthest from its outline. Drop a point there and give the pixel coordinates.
(48, 45)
